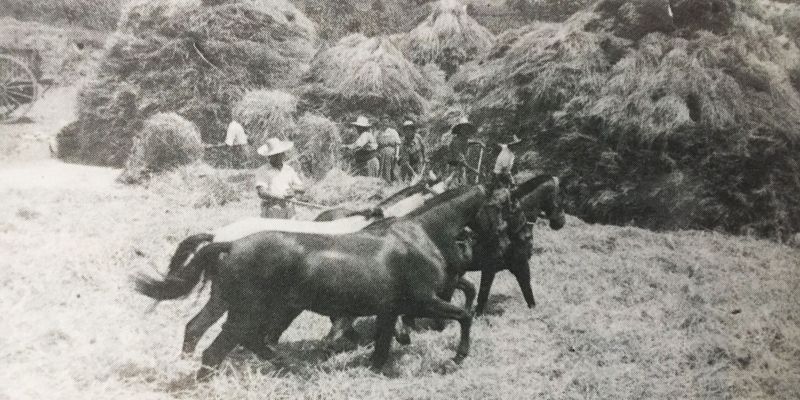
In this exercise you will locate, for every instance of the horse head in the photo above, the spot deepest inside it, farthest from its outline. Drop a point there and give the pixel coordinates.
(541, 197)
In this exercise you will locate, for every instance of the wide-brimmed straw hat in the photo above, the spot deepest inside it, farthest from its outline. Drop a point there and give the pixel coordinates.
(274, 146)
(362, 122)
(463, 123)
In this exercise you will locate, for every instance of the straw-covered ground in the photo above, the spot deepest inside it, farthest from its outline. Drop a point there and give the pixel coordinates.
(622, 312)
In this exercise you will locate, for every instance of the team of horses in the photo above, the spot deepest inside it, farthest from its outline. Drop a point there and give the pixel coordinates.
(407, 266)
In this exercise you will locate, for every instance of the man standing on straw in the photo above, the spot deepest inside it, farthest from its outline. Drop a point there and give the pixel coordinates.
(277, 182)
(388, 152)
(236, 140)
(365, 147)
(457, 150)
(412, 152)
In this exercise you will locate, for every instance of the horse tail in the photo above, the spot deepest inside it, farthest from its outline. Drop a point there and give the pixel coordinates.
(186, 249)
(180, 281)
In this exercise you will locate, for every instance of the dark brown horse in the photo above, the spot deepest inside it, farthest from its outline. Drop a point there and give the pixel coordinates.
(267, 279)
(215, 307)
(537, 197)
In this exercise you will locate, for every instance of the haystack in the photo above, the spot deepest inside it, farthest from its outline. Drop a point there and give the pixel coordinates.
(712, 119)
(267, 113)
(191, 58)
(166, 141)
(361, 75)
(318, 143)
(633, 19)
(449, 37)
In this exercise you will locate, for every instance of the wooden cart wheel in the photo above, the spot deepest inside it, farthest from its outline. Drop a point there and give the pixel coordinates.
(18, 88)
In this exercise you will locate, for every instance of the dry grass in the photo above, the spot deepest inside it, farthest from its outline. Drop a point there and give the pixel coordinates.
(622, 313)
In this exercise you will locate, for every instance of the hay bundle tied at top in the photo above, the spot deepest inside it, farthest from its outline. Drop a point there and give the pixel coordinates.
(449, 37)
(166, 141)
(265, 114)
(191, 58)
(365, 75)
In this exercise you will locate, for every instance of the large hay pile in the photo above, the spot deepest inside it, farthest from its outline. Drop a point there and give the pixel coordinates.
(673, 129)
(449, 37)
(265, 114)
(191, 58)
(361, 75)
(166, 141)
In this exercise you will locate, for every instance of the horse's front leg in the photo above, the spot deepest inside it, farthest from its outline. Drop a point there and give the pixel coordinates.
(438, 308)
(487, 278)
(522, 272)
(383, 340)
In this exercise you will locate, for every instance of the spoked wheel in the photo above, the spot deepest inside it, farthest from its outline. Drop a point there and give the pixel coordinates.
(18, 88)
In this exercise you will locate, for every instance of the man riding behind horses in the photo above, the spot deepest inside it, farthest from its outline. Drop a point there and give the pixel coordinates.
(457, 149)
(412, 152)
(276, 182)
(365, 147)
(388, 152)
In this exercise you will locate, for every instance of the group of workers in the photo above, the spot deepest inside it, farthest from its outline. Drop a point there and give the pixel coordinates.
(389, 155)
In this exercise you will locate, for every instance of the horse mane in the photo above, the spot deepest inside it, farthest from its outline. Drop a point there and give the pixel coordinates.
(440, 199)
(529, 185)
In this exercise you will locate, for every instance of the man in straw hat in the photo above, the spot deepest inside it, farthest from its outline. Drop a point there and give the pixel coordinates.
(388, 153)
(365, 147)
(457, 150)
(277, 182)
(412, 152)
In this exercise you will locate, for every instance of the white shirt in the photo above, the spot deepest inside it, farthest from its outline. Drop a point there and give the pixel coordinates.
(235, 135)
(505, 160)
(277, 183)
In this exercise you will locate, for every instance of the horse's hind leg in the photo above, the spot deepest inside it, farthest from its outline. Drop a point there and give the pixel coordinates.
(238, 329)
(214, 354)
(469, 292)
(213, 310)
(383, 340)
(438, 308)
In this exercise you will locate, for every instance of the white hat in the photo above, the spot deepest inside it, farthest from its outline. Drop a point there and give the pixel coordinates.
(409, 124)
(361, 121)
(274, 146)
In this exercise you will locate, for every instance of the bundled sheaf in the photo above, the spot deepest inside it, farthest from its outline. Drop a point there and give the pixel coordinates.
(166, 141)
(666, 128)
(449, 37)
(267, 113)
(318, 144)
(365, 75)
(191, 58)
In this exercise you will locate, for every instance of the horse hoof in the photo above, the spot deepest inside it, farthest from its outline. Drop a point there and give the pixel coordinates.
(532, 306)
(448, 367)
(404, 339)
(204, 374)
